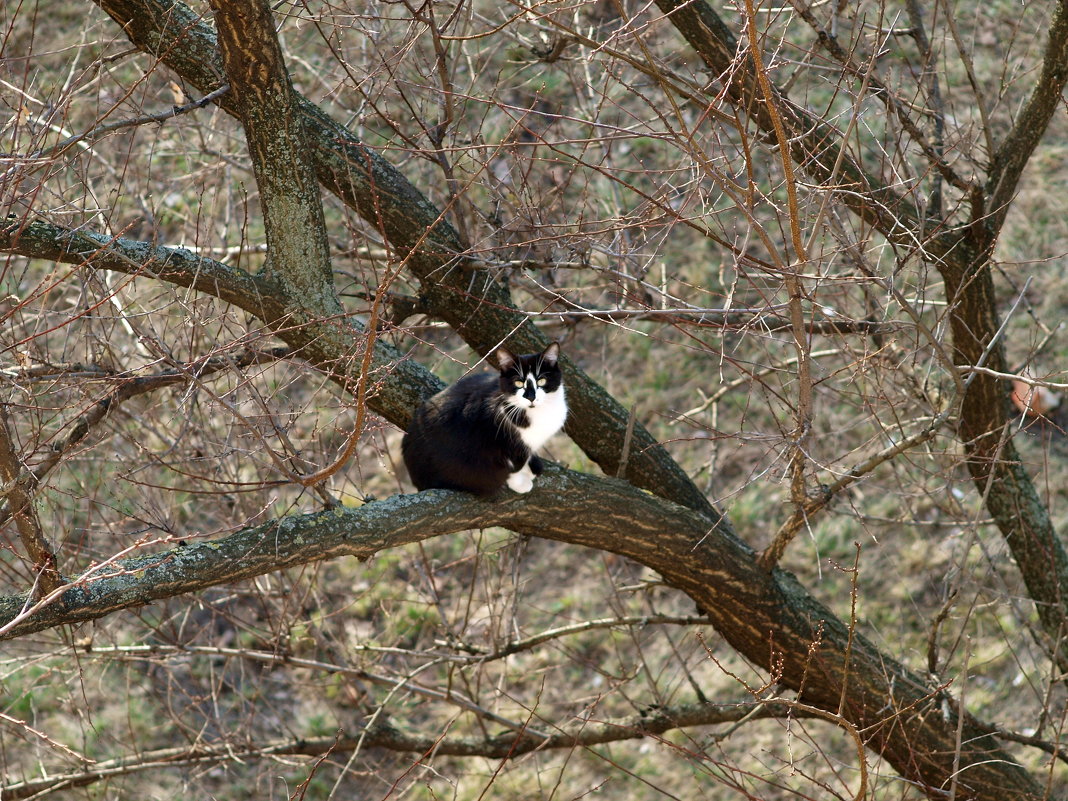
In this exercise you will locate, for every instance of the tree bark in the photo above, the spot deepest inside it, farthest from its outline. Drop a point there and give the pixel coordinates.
(471, 300)
(962, 257)
(262, 94)
(766, 616)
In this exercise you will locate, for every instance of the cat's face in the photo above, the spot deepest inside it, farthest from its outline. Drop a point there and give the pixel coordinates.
(527, 380)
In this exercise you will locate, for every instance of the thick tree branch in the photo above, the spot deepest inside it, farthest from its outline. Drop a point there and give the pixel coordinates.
(262, 94)
(473, 302)
(408, 382)
(996, 468)
(767, 616)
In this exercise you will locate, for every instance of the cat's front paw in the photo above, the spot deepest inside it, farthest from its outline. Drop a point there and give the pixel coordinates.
(523, 481)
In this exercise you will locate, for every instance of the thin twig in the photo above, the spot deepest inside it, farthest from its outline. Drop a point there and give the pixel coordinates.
(794, 287)
(20, 503)
(624, 457)
(126, 387)
(90, 136)
(814, 503)
(748, 378)
(932, 634)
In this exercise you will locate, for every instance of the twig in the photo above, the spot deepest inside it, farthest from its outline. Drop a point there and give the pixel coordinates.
(319, 476)
(518, 646)
(20, 503)
(794, 289)
(747, 379)
(814, 503)
(384, 735)
(22, 724)
(1033, 382)
(919, 34)
(621, 471)
(932, 634)
(889, 98)
(955, 776)
(271, 657)
(145, 119)
(722, 317)
(127, 387)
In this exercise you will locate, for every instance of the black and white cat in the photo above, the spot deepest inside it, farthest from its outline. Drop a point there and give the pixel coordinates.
(483, 431)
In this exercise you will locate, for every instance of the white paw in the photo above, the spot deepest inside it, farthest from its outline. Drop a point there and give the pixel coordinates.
(522, 480)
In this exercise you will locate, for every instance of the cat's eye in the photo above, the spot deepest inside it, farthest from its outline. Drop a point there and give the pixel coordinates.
(518, 384)
(541, 382)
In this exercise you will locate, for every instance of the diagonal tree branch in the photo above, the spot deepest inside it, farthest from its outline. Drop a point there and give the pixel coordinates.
(767, 616)
(472, 301)
(1007, 163)
(962, 256)
(814, 144)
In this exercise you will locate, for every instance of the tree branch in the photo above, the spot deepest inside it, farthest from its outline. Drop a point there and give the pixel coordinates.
(20, 505)
(962, 257)
(124, 387)
(814, 144)
(1009, 160)
(393, 398)
(389, 736)
(261, 93)
(473, 302)
(766, 616)
(885, 94)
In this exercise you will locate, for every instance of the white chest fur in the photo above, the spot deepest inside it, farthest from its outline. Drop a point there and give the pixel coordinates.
(545, 417)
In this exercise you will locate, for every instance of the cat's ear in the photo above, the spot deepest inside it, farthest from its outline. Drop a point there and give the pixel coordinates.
(551, 354)
(504, 357)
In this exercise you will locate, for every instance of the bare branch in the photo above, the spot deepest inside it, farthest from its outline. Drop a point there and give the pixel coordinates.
(124, 388)
(1007, 163)
(388, 735)
(813, 143)
(886, 95)
(474, 303)
(408, 381)
(745, 603)
(88, 137)
(765, 319)
(20, 503)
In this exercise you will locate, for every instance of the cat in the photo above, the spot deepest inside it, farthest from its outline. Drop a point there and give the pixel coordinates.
(483, 432)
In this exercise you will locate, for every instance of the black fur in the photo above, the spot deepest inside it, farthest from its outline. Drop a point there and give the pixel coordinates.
(468, 436)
